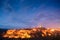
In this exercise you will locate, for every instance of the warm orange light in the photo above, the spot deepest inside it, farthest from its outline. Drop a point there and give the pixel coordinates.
(26, 33)
(17, 34)
(34, 29)
(10, 31)
(5, 35)
(43, 35)
(49, 34)
(52, 30)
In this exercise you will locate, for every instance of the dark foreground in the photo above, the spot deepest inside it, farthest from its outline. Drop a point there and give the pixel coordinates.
(44, 38)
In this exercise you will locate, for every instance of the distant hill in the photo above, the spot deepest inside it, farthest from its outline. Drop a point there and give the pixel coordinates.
(2, 30)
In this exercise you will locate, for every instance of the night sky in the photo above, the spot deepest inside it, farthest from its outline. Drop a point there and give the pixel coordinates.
(29, 13)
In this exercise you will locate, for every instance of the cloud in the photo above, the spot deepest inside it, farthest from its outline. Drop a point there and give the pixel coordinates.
(23, 13)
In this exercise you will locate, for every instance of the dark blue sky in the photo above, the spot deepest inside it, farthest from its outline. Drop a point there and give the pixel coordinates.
(29, 13)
